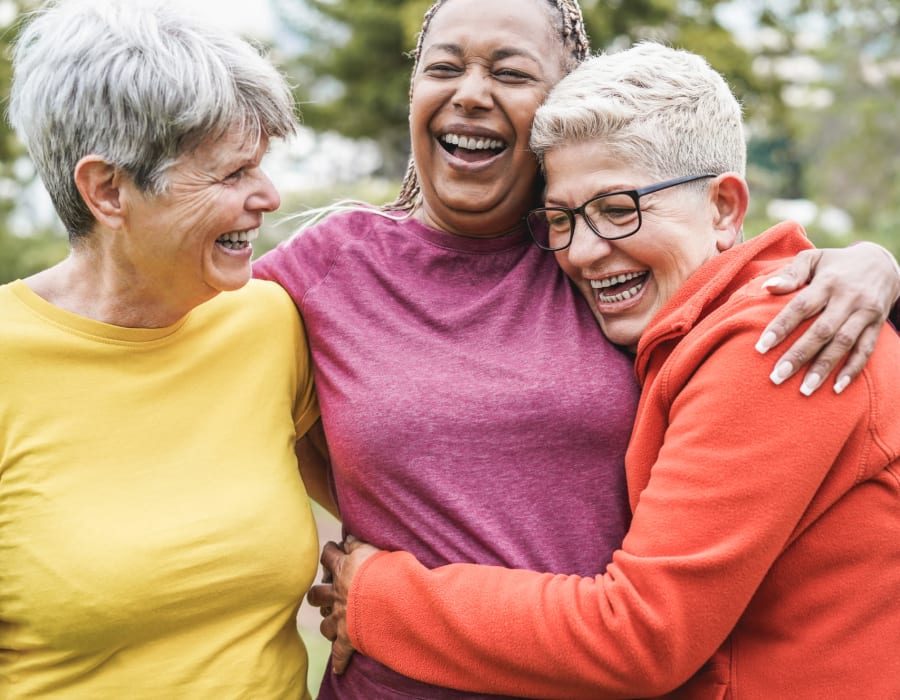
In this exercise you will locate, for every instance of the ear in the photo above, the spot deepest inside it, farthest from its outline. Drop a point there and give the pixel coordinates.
(731, 197)
(99, 184)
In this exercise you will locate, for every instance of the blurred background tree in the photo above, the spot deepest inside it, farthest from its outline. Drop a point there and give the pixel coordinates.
(24, 248)
(847, 127)
(819, 80)
(355, 69)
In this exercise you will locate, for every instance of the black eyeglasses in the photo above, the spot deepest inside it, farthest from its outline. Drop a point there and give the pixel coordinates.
(611, 215)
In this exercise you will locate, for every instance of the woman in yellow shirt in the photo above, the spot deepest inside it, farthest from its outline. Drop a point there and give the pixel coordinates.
(155, 537)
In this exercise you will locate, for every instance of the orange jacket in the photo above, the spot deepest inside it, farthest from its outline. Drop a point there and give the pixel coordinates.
(763, 560)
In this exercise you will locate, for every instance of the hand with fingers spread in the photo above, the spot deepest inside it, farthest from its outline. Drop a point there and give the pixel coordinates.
(341, 563)
(853, 290)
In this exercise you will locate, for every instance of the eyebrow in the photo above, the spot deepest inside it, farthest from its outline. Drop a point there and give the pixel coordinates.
(238, 161)
(497, 55)
(553, 202)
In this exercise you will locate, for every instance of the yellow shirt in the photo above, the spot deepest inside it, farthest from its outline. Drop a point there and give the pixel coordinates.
(155, 537)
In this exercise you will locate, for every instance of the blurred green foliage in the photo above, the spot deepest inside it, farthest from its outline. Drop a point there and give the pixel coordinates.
(828, 134)
(840, 154)
(33, 250)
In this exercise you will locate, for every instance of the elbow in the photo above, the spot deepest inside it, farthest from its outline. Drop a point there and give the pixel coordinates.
(676, 663)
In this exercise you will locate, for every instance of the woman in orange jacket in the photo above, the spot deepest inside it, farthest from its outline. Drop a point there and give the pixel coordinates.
(763, 558)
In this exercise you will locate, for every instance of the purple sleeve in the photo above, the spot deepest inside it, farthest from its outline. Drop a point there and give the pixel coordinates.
(266, 267)
(299, 263)
(280, 265)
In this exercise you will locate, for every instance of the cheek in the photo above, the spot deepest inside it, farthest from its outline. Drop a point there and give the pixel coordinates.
(572, 272)
(425, 100)
(671, 277)
(420, 136)
(562, 259)
(522, 127)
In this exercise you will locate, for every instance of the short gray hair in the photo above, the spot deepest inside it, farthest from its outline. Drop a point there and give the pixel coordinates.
(660, 108)
(138, 84)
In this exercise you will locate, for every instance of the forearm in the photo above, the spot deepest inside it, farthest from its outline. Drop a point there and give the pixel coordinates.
(313, 463)
(894, 316)
(524, 633)
(493, 630)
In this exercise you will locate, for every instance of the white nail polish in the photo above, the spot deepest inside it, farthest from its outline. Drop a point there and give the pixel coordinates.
(841, 384)
(781, 372)
(810, 384)
(765, 343)
(773, 282)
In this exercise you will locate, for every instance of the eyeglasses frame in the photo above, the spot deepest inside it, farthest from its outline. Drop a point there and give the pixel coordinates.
(635, 196)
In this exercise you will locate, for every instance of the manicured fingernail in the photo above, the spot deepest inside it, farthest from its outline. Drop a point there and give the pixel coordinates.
(841, 384)
(765, 343)
(810, 384)
(773, 282)
(781, 372)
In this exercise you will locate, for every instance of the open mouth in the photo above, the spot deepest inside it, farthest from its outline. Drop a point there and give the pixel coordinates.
(238, 240)
(471, 149)
(618, 288)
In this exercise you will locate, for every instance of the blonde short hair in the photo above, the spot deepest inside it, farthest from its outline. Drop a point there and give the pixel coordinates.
(663, 109)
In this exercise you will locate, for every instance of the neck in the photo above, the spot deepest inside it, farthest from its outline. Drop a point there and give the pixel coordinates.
(469, 225)
(99, 290)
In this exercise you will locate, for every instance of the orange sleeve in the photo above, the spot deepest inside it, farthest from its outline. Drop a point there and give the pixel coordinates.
(721, 505)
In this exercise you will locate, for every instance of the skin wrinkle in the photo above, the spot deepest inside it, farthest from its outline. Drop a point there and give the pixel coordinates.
(140, 121)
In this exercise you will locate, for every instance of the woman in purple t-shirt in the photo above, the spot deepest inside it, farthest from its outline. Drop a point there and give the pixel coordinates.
(473, 410)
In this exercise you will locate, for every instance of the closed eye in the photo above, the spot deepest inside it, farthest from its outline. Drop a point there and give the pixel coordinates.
(234, 178)
(442, 70)
(512, 76)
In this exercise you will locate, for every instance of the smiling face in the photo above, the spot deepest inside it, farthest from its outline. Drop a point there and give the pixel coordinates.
(195, 240)
(485, 67)
(628, 281)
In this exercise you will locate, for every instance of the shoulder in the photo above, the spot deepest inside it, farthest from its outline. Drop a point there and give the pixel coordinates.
(259, 305)
(313, 244)
(327, 235)
(736, 319)
(7, 295)
(302, 262)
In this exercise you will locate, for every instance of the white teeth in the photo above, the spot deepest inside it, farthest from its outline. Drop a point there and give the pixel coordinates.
(472, 144)
(618, 279)
(237, 237)
(615, 279)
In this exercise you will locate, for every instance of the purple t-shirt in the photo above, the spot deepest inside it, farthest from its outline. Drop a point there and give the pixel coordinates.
(473, 410)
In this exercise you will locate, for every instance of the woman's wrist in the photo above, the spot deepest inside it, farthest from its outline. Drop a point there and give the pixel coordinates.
(894, 315)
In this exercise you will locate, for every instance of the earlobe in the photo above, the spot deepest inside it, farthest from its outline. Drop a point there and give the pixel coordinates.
(99, 183)
(731, 199)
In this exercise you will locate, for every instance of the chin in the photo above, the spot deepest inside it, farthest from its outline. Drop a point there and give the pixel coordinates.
(625, 337)
(230, 282)
(236, 284)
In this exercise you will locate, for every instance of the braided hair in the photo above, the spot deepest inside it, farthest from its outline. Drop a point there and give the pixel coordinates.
(571, 27)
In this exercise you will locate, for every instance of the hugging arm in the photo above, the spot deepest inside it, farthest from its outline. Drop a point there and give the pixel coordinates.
(853, 290)
(698, 549)
(313, 461)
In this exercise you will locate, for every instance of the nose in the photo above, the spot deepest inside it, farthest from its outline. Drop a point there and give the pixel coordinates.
(473, 90)
(264, 197)
(586, 248)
